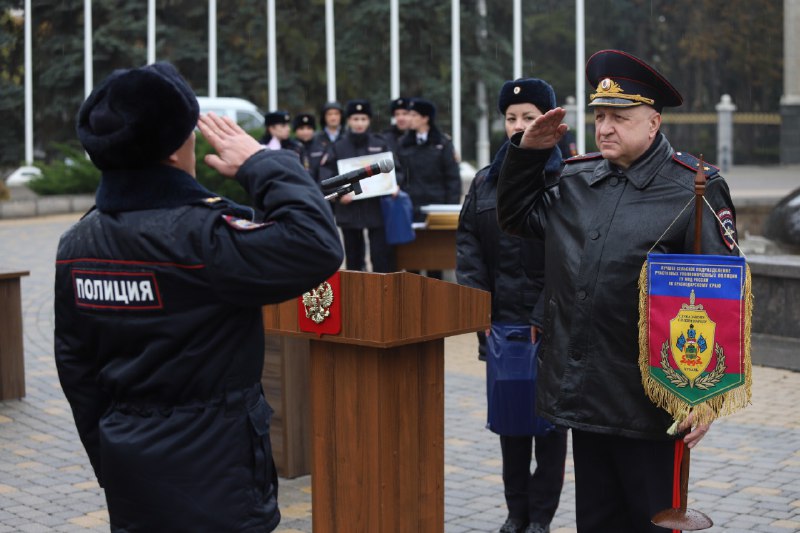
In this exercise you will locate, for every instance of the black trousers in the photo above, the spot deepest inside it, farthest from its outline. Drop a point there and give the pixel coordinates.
(380, 252)
(620, 482)
(534, 497)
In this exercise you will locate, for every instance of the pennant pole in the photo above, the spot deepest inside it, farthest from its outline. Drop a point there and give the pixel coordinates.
(682, 518)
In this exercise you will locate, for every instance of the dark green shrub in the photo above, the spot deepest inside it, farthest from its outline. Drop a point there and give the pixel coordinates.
(71, 173)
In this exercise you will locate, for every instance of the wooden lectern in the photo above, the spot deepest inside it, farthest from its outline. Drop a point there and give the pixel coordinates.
(12, 358)
(377, 399)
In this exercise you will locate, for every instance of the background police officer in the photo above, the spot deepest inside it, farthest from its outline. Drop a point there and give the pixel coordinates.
(354, 215)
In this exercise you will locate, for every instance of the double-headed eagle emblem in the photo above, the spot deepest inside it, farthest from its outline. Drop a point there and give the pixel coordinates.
(318, 301)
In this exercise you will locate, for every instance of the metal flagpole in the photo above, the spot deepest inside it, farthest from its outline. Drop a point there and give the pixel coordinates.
(212, 48)
(28, 86)
(330, 51)
(272, 57)
(88, 57)
(580, 78)
(517, 39)
(455, 15)
(151, 32)
(681, 518)
(394, 38)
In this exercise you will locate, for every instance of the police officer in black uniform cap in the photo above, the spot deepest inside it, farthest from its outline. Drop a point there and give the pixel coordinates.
(398, 109)
(331, 116)
(159, 343)
(304, 127)
(430, 166)
(598, 222)
(354, 215)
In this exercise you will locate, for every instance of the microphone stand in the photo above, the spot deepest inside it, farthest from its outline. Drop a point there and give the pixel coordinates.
(354, 187)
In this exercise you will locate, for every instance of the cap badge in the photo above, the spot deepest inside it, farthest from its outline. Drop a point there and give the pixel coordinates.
(517, 89)
(608, 88)
(359, 107)
(607, 85)
(286, 118)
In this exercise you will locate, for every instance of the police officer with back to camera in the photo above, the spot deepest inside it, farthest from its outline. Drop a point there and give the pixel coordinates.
(159, 343)
(598, 222)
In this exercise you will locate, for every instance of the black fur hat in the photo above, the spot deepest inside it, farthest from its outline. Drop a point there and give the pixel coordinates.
(398, 103)
(304, 119)
(355, 107)
(423, 107)
(276, 117)
(137, 117)
(527, 91)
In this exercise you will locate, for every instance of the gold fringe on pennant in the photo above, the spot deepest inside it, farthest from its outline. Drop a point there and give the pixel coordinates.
(720, 405)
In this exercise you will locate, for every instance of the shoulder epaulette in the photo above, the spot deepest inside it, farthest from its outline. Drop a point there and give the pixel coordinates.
(584, 157)
(693, 163)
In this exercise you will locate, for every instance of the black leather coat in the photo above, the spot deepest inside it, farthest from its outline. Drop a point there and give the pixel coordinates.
(510, 267)
(598, 223)
(159, 340)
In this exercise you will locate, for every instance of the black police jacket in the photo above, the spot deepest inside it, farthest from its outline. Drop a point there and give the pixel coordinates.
(159, 340)
(311, 156)
(510, 267)
(598, 223)
(431, 173)
(364, 213)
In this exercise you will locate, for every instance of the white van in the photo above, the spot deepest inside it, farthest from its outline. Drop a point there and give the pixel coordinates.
(244, 112)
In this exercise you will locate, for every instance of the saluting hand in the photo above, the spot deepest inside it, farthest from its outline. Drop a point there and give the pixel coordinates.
(545, 131)
(233, 145)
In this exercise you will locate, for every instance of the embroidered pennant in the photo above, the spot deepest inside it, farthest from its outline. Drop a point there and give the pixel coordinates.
(694, 334)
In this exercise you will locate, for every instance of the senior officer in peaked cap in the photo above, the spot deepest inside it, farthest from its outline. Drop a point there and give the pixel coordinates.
(598, 222)
(159, 342)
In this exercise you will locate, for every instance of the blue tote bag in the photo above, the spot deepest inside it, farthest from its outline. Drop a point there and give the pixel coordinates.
(397, 218)
(511, 382)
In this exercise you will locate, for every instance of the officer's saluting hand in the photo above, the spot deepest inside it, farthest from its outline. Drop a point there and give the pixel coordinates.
(233, 145)
(545, 131)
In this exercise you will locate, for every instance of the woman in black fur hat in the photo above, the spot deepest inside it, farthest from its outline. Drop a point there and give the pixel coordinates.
(512, 269)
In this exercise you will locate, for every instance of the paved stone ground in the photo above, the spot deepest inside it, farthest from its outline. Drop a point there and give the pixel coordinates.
(745, 474)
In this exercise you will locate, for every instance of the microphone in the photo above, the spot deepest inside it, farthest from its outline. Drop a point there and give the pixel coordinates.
(382, 166)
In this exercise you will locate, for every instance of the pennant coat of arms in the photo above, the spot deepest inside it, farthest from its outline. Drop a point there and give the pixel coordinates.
(694, 334)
